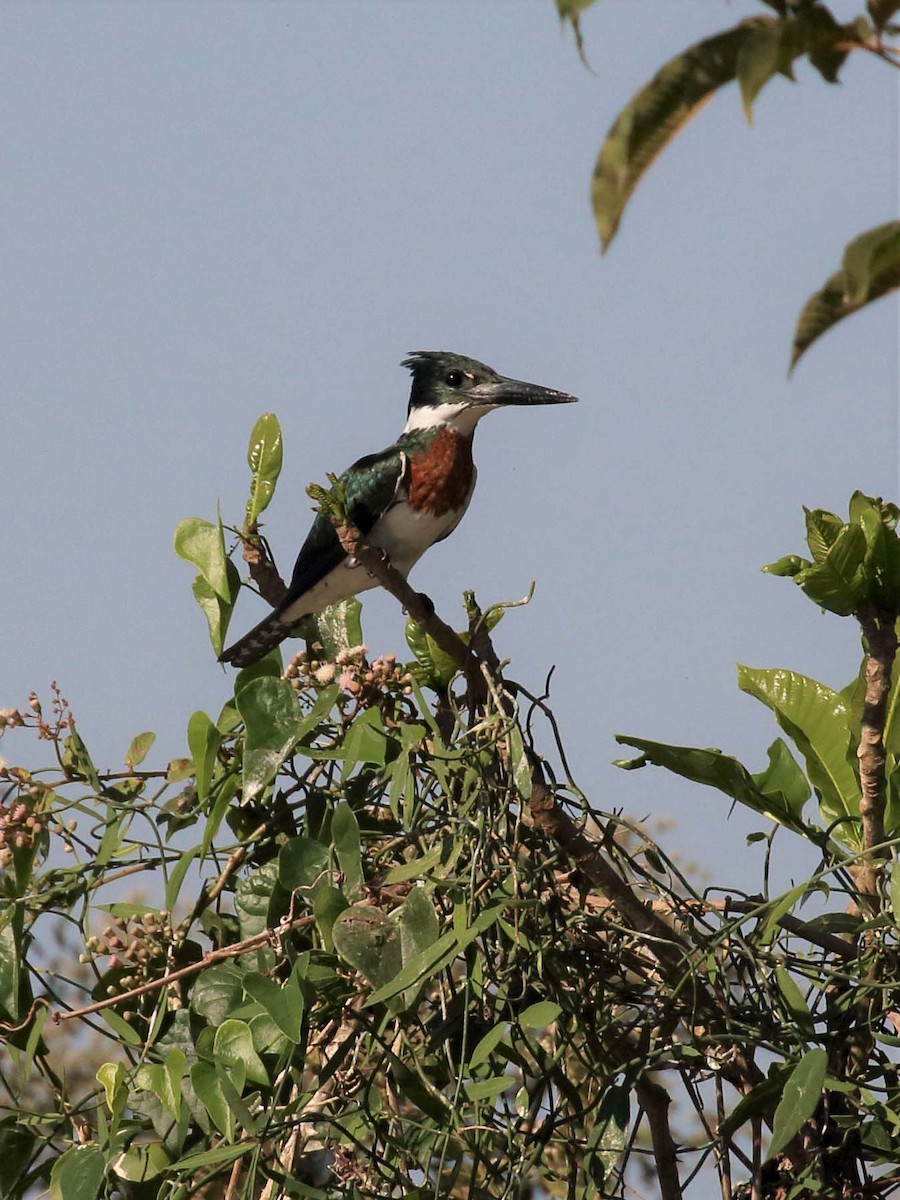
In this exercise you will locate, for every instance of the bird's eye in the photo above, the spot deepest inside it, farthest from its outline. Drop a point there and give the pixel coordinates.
(455, 379)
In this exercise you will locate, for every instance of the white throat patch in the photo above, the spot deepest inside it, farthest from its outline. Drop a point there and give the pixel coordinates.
(461, 417)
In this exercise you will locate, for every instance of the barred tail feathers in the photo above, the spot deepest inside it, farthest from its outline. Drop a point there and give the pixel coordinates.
(262, 638)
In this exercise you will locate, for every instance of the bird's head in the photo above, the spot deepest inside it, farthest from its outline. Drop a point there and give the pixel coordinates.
(454, 390)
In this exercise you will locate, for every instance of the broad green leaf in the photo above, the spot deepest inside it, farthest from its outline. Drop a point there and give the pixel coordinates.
(838, 582)
(345, 835)
(369, 941)
(656, 113)
(258, 899)
(141, 1162)
(822, 529)
(216, 610)
(163, 1080)
(78, 1173)
(790, 565)
(11, 966)
(339, 627)
(202, 544)
(718, 770)
(783, 781)
(137, 751)
(233, 1048)
(816, 719)
(365, 741)
(419, 967)
(538, 1016)
(437, 669)
(419, 925)
(204, 740)
(300, 862)
(208, 1086)
(268, 708)
(283, 1002)
(871, 269)
(217, 992)
(264, 456)
(802, 1091)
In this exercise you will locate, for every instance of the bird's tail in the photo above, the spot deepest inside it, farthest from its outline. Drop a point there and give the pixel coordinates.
(262, 638)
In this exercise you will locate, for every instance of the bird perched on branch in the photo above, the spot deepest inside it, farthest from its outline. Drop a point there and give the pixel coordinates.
(404, 499)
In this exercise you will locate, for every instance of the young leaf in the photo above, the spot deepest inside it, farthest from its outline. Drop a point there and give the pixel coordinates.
(801, 1094)
(264, 455)
(816, 719)
(137, 751)
(656, 113)
(870, 270)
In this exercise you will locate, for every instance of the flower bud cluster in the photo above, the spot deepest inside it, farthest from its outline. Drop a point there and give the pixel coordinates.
(20, 825)
(384, 679)
(142, 944)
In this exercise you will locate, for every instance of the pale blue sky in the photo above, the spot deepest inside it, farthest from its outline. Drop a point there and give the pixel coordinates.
(210, 210)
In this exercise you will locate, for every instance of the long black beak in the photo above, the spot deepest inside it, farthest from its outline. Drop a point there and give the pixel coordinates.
(515, 391)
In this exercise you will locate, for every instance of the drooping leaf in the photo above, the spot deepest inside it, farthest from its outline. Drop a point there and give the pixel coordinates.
(801, 1094)
(207, 1084)
(757, 61)
(202, 544)
(656, 113)
(216, 610)
(721, 771)
(264, 456)
(871, 269)
(609, 1135)
(816, 719)
(282, 1001)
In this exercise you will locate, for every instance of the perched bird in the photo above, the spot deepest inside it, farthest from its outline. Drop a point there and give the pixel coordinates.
(404, 499)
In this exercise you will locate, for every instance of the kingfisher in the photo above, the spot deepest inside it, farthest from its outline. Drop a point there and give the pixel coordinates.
(405, 498)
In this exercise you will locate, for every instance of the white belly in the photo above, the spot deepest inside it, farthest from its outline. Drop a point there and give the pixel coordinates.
(404, 533)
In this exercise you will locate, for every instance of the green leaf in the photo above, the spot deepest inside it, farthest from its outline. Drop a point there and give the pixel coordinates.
(211, 1094)
(783, 781)
(268, 708)
(817, 720)
(10, 966)
(421, 966)
(233, 1048)
(437, 669)
(300, 862)
(538, 1016)
(256, 897)
(339, 627)
(203, 545)
(112, 1078)
(204, 740)
(871, 269)
(138, 749)
(345, 835)
(17, 1145)
(77, 761)
(77, 1174)
(327, 903)
(656, 113)
(217, 992)
(264, 456)
(216, 610)
(488, 1089)
(419, 925)
(365, 741)
(488, 1044)
(163, 1080)
(822, 529)
(283, 1002)
(838, 583)
(790, 565)
(757, 61)
(369, 941)
(140, 1163)
(794, 1001)
(895, 891)
(801, 1094)
(718, 770)
(518, 761)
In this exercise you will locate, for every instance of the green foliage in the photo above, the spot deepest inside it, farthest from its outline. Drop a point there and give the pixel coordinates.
(870, 270)
(264, 457)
